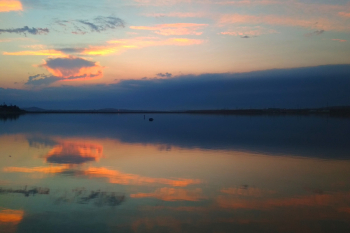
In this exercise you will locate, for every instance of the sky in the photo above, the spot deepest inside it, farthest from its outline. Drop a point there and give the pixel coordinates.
(174, 54)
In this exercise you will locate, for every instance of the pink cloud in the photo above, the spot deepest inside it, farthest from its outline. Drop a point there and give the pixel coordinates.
(249, 31)
(174, 29)
(344, 14)
(339, 40)
(315, 23)
(178, 14)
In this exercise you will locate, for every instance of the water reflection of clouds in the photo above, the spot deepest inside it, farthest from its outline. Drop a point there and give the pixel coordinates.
(98, 198)
(172, 194)
(9, 219)
(74, 153)
(113, 176)
(11, 216)
(117, 177)
(67, 151)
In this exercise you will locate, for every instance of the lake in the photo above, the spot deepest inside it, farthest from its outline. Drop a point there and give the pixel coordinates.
(179, 173)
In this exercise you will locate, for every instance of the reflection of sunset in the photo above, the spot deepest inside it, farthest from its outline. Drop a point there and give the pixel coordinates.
(118, 177)
(10, 5)
(75, 153)
(171, 194)
(245, 191)
(47, 170)
(317, 200)
(11, 216)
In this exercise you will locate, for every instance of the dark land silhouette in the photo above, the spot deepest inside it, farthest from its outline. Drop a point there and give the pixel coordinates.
(330, 111)
(13, 111)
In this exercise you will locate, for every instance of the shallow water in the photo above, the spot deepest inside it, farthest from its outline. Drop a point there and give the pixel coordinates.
(179, 173)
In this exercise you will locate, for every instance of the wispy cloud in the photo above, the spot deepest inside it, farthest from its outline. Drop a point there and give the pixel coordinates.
(166, 75)
(25, 30)
(111, 47)
(339, 40)
(177, 14)
(315, 33)
(98, 24)
(174, 29)
(10, 5)
(42, 79)
(344, 14)
(248, 32)
(314, 23)
(48, 52)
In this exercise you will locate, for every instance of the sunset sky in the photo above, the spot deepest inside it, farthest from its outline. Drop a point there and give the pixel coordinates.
(79, 54)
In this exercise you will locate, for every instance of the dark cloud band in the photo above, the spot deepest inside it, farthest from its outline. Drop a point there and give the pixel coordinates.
(26, 29)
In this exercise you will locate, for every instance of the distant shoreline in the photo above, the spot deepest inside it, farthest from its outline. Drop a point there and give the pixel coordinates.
(342, 111)
(333, 111)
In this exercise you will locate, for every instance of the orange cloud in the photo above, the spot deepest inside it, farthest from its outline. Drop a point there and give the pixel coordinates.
(117, 177)
(171, 194)
(73, 68)
(74, 153)
(50, 52)
(112, 47)
(118, 46)
(10, 5)
(11, 216)
(174, 29)
(46, 170)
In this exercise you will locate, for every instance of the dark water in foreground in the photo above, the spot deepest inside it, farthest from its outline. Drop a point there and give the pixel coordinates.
(179, 173)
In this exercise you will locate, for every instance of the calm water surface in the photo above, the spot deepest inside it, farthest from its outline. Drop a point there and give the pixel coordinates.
(179, 173)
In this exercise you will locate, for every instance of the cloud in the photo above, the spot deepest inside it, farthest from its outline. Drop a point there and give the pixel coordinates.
(49, 52)
(167, 75)
(174, 29)
(247, 32)
(290, 88)
(111, 47)
(10, 5)
(73, 68)
(316, 23)
(26, 29)
(315, 33)
(41, 79)
(177, 15)
(344, 14)
(66, 69)
(339, 40)
(98, 24)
